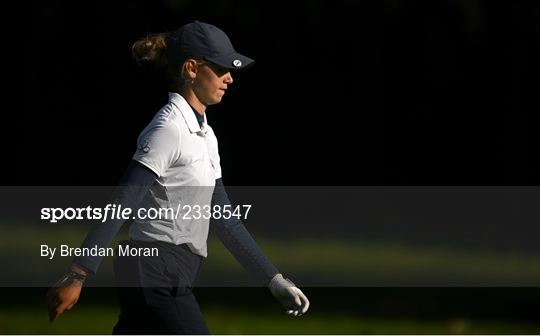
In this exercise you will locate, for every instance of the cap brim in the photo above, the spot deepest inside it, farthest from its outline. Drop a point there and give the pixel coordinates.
(233, 61)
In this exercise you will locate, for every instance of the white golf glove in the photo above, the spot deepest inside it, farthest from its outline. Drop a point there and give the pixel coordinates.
(290, 296)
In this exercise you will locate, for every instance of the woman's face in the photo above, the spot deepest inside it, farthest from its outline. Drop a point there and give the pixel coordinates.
(211, 82)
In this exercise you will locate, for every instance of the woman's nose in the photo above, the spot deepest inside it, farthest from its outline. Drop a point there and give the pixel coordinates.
(228, 78)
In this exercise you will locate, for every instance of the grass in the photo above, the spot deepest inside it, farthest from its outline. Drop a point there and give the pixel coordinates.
(97, 319)
(324, 262)
(359, 263)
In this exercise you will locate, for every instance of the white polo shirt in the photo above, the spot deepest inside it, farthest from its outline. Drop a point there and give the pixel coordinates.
(185, 158)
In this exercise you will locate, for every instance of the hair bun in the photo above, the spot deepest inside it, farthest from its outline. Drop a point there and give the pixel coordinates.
(150, 50)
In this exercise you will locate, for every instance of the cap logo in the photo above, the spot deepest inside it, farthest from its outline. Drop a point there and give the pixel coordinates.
(237, 63)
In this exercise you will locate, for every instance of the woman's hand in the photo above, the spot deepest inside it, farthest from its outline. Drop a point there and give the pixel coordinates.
(290, 296)
(65, 293)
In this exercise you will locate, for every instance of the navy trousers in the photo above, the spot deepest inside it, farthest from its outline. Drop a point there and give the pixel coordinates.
(155, 292)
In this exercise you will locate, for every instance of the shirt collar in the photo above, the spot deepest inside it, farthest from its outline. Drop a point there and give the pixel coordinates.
(188, 113)
(200, 118)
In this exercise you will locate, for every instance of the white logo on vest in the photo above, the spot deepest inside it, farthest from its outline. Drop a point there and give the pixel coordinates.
(144, 146)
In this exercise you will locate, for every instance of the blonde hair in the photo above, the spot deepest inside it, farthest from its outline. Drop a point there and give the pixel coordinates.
(151, 49)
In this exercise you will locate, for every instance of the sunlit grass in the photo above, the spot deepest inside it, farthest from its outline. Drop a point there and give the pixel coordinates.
(359, 263)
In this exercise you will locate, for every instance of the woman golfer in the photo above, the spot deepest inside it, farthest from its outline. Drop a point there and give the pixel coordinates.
(176, 162)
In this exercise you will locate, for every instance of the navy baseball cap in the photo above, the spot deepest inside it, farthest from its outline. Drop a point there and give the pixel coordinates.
(205, 41)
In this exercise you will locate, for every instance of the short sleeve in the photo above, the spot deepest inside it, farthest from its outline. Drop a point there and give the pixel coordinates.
(158, 146)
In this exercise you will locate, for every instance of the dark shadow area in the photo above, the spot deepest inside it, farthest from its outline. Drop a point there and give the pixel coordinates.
(342, 93)
(501, 304)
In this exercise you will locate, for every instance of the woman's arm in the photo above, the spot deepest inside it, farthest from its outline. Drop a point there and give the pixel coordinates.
(243, 247)
(239, 241)
(132, 188)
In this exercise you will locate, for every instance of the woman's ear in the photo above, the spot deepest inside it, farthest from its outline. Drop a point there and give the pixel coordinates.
(190, 70)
